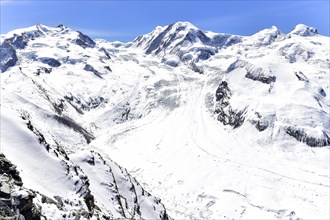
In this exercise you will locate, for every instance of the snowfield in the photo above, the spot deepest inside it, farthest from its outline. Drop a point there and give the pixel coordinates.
(180, 123)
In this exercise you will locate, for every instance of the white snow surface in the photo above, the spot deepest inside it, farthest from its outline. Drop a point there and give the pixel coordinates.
(154, 115)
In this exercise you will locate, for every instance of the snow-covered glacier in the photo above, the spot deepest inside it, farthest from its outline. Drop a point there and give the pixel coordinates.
(180, 123)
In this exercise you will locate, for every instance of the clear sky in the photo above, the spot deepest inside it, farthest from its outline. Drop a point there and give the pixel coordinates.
(124, 20)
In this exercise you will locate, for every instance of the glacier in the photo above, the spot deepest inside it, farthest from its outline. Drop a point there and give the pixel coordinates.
(180, 123)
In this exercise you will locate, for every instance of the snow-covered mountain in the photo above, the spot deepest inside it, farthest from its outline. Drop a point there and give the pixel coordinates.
(214, 125)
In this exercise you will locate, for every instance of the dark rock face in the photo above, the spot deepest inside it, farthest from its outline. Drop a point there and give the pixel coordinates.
(232, 118)
(259, 76)
(253, 72)
(26, 206)
(205, 39)
(18, 41)
(21, 41)
(50, 61)
(226, 114)
(84, 41)
(82, 105)
(108, 68)
(322, 92)
(189, 37)
(157, 41)
(106, 53)
(76, 127)
(42, 70)
(90, 68)
(225, 40)
(8, 57)
(222, 92)
(301, 135)
(205, 53)
(132, 205)
(301, 76)
(10, 203)
(10, 169)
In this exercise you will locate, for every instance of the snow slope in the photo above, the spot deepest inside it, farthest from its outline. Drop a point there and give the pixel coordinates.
(42, 134)
(216, 125)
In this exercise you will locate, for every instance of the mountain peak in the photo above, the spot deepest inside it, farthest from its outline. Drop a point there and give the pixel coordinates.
(185, 25)
(20, 37)
(273, 30)
(266, 36)
(168, 37)
(304, 30)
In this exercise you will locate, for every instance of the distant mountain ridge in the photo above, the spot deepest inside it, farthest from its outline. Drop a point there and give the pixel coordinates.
(208, 122)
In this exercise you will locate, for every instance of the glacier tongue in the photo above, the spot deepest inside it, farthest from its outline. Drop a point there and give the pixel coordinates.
(213, 125)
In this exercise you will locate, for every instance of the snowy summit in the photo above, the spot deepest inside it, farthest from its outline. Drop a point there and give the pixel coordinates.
(180, 123)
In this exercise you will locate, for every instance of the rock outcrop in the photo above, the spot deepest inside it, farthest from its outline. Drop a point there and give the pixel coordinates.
(226, 114)
(8, 57)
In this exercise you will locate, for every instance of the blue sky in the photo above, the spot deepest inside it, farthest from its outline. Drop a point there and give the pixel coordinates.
(124, 20)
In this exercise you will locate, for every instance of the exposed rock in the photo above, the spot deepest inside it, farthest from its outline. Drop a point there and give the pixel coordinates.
(126, 111)
(4, 188)
(225, 40)
(82, 105)
(42, 70)
(13, 203)
(156, 43)
(50, 61)
(18, 41)
(322, 92)
(301, 76)
(10, 169)
(45, 199)
(108, 68)
(84, 41)
(90, 68)
(105, 53)
(226, 114)
(128, 195)
(258, 75)
(26, 206)
(61, 26)
(6, 206)
(301, 135)
(8, 57)
(76, 127)
(303, 30)
(204, 53)
(253, 72)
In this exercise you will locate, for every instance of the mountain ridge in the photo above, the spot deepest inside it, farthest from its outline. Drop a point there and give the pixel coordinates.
(215, 125)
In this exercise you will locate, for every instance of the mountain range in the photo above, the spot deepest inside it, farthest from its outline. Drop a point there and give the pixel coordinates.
(180, 123)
